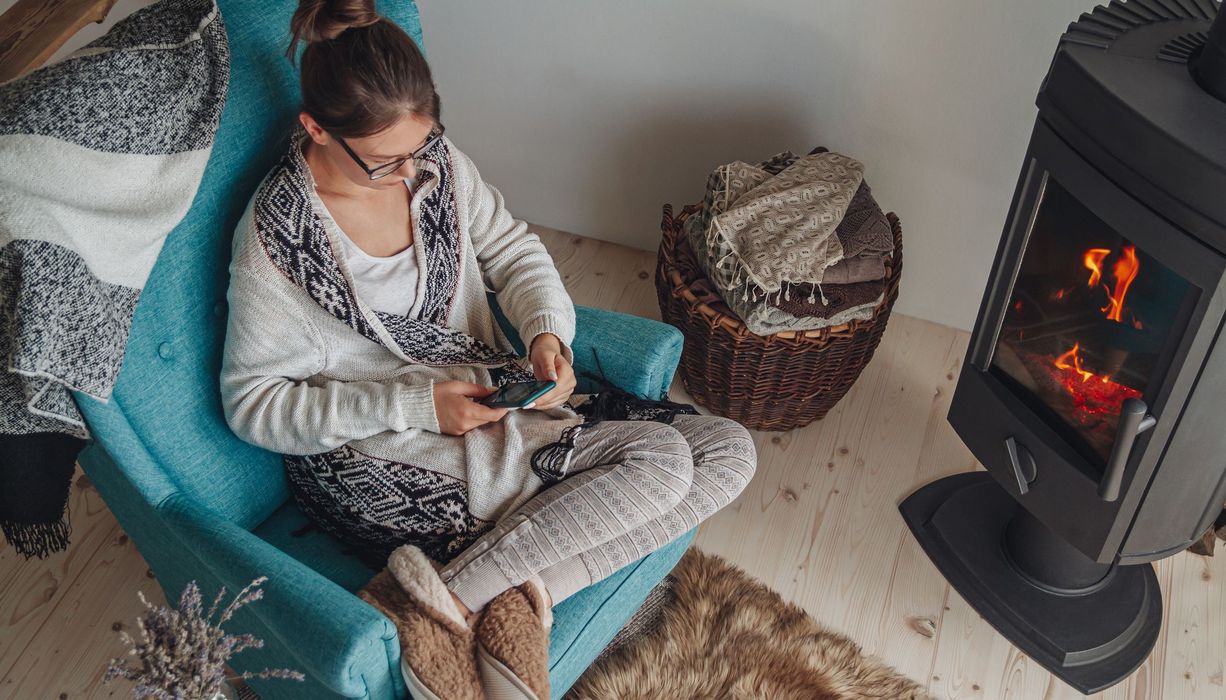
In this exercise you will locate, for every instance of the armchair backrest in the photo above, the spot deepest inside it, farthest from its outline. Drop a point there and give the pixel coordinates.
(168, 386)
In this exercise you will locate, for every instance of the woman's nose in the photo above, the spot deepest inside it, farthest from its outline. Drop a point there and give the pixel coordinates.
(408, 171)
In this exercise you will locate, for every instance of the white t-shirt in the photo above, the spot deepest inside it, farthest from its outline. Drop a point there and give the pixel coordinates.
(388, 284)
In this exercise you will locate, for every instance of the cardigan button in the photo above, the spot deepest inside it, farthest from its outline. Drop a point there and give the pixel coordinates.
(165, 352)
(219, 309)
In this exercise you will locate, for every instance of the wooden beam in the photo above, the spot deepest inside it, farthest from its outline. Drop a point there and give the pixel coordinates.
(32, 30)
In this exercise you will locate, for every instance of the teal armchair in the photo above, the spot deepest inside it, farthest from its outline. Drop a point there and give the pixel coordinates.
(199, 503)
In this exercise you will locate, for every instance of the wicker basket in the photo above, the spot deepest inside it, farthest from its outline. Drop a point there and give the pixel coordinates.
(776, 382)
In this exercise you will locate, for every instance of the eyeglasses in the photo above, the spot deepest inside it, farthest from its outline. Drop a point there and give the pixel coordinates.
(388, 168)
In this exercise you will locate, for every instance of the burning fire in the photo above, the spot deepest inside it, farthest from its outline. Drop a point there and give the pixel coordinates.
(1124, 271)
(1101, 396)
(1063, 363)
(1093, 394)
(1094, 263)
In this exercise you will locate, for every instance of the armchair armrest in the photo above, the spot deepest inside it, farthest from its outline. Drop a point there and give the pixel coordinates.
(639, 355)
(333, 636)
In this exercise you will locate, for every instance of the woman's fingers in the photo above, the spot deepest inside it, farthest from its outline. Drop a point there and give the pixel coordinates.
(544, 363)
(565, 385)
(485, 414)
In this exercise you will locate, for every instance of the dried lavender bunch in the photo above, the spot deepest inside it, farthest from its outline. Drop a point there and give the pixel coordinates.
(182, 655)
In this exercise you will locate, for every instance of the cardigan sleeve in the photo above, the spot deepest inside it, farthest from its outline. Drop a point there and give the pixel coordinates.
(271, 394)
(515, 264)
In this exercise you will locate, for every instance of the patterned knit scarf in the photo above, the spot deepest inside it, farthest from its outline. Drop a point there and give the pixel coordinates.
(294, 236)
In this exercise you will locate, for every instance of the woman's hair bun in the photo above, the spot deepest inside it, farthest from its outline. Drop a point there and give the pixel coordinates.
(321, 20)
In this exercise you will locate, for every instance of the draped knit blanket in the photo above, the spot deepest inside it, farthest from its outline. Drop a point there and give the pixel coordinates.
(100, 157)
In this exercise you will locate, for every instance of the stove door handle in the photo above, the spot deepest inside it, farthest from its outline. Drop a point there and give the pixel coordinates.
(1024, 469)
(1134, 420)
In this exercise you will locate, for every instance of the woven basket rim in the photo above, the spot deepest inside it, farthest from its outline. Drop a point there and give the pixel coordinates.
(734, 324)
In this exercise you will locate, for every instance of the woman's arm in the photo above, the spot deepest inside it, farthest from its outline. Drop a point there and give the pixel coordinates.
(271, 349)
(516, 265)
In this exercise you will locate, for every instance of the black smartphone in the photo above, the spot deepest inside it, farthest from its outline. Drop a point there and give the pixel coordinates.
(518, 394)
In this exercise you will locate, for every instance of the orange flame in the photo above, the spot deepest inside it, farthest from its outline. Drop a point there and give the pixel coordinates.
(1125, 272)
(1062, 362)
(1094, 263)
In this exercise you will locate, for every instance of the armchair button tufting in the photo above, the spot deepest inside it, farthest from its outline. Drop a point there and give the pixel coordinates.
(165, 352)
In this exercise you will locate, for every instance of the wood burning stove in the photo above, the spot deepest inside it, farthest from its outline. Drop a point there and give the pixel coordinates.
(1095, 385)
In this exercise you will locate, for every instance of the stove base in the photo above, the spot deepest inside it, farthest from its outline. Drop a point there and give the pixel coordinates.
(1090, 639)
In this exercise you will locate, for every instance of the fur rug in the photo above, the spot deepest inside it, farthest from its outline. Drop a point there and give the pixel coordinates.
(724, 635)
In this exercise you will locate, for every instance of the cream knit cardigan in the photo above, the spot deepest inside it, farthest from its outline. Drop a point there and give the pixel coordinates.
(299, 380)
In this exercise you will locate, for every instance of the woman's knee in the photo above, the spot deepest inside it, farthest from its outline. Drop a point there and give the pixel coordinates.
(663, 463)
(729, 457)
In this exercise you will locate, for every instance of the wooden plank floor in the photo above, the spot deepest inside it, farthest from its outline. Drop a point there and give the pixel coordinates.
(819, 524)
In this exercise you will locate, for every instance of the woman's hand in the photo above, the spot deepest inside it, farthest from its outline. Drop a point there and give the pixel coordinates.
(548, 362)
(457, 412)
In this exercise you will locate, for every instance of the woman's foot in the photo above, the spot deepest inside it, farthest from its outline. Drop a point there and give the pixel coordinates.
(513, 643)
(437, 643)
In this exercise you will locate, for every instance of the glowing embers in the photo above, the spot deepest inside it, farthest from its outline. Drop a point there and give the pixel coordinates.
(1093, 394)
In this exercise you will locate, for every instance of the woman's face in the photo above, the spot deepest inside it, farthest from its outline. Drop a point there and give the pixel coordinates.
(397, 141)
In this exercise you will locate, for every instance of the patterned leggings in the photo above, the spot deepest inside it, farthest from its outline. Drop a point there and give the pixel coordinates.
(632, 487)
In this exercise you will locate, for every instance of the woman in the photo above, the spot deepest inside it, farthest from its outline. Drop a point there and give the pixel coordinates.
(359, 336)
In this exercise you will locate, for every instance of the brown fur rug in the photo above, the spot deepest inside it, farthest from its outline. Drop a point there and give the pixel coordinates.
(724, 635)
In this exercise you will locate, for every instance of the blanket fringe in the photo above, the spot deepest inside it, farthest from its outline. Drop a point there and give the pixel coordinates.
(552, 461)
(37, 539)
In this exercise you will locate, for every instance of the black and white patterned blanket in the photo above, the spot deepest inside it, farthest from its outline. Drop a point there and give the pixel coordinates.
(101, 155)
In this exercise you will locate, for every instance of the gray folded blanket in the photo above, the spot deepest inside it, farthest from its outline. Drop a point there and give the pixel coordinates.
(866, 238)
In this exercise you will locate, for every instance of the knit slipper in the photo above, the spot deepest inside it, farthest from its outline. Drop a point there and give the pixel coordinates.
(437, 647)
(513, 644)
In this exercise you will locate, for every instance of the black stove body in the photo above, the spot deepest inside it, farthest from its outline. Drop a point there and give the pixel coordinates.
(1094, 389)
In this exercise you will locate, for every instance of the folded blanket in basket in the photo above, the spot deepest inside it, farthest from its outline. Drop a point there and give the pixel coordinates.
(865, 267)
(790, 241)
(100, 157)
(867, 241)
(766, 315)
(779, 229)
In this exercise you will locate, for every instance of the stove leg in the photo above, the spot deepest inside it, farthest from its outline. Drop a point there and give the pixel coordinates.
(1090, 624)
(1049, 562)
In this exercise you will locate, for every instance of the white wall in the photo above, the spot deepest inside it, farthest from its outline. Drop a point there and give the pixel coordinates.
(590, 115)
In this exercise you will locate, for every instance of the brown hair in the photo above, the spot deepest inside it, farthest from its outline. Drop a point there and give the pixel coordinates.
(360, 71)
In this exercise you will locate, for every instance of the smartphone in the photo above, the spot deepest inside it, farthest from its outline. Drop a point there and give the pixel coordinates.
(518, 394)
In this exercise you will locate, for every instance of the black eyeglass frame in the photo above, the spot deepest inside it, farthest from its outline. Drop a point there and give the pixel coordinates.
(381, 171)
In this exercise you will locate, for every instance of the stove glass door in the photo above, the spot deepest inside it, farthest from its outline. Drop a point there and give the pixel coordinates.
(1089, 318)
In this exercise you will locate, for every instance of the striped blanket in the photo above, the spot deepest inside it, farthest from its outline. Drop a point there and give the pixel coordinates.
(100, 157)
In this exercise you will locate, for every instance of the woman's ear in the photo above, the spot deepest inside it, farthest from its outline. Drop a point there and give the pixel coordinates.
(317, 133)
